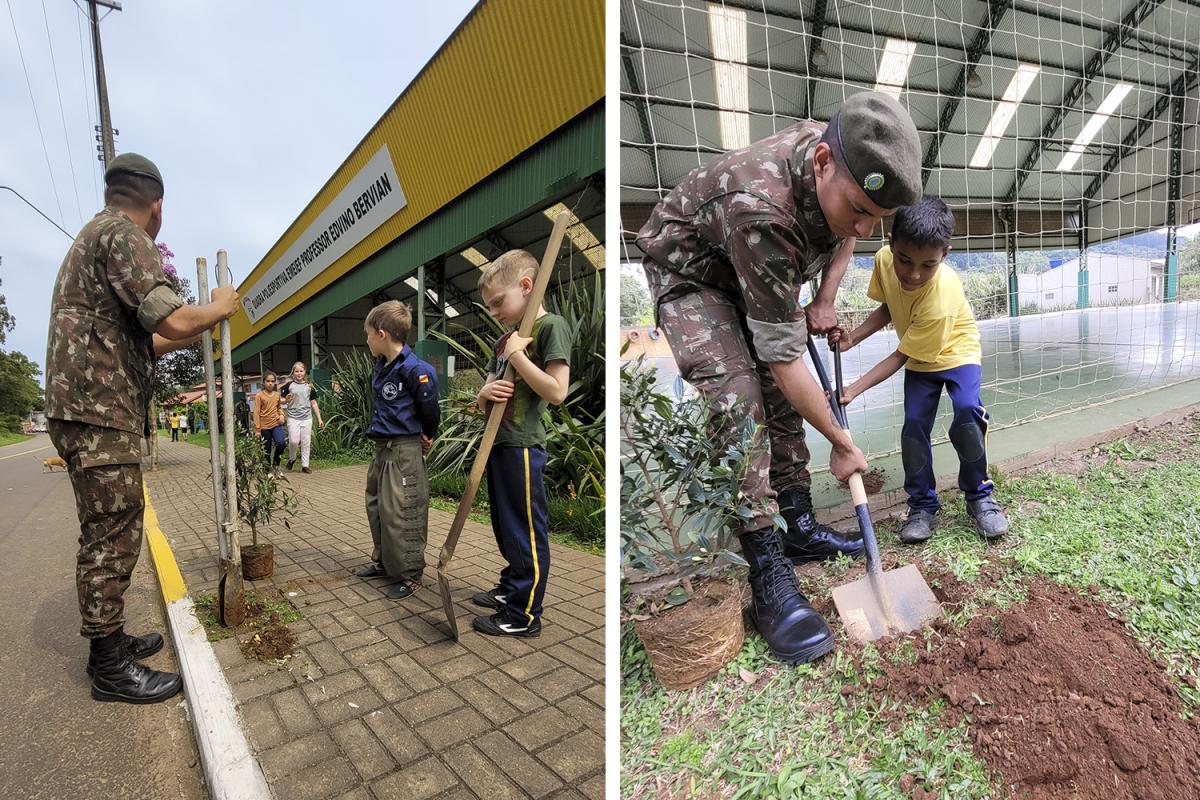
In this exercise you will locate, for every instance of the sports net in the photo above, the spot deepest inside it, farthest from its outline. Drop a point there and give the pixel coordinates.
(1063, 135)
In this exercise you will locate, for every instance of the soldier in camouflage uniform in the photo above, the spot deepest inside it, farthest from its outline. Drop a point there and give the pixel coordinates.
(726, 255)
(112, 311)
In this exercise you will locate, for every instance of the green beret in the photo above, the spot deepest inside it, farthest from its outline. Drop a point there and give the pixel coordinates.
(133, 164)
(880, 146)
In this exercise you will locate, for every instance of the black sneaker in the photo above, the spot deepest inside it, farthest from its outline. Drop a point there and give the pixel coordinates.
(505, 624)
(989, 519)
(371, 570)
(400, 590)
(492, 598)
(919, 526)
(291, 463)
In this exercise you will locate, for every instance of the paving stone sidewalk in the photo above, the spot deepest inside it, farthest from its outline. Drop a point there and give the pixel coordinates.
(379, 702)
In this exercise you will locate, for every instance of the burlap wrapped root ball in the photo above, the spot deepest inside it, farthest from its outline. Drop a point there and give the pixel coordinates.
(689, 644)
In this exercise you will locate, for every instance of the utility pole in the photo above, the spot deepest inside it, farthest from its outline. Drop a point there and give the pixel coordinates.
(106, 148)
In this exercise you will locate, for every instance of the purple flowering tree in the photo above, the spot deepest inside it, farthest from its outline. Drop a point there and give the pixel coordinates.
(175, 372)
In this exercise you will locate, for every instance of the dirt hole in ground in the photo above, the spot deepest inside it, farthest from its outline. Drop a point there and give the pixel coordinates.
(1062, 702)
(272, 642)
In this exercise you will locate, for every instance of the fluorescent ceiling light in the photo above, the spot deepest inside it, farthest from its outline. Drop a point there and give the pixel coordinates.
(583, 239)
(1107, 108)
(893, 66)
(475, 257)
(451, 311)
(1006, 109)
(727, 32)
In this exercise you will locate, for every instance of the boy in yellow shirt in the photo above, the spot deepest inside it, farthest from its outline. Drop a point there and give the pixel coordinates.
(939, 347)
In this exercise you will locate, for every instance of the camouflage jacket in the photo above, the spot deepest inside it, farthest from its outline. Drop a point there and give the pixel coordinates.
(748, 225)
(110, 295)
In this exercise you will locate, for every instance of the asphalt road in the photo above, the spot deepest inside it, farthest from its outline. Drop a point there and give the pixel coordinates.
(56, 741)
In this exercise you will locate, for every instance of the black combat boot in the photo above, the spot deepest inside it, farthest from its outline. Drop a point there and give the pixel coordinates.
(808, 540)
(138, 647)
(117, 676)
(795, 632)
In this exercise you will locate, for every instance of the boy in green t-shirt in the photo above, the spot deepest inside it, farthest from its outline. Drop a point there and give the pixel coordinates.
(516, 495)
(939, 347)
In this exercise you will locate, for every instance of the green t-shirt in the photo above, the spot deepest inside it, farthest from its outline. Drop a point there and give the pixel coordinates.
(522, 422)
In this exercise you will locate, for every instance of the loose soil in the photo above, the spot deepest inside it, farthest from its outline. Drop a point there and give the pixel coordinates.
(873, 480)
(273, 643)
(263, 635)
(1061, 701)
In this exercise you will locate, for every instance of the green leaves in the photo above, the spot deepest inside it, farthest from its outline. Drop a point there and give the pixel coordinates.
(680, 480)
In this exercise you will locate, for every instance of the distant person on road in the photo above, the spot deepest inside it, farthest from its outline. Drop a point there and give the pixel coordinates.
(111, 313)
(174, 427)
(404, 420)
(183, 426)
(939, 347)
(300, 400)
(268, 420)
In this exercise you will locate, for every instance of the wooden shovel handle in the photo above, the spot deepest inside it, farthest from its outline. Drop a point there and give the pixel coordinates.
(496, 414)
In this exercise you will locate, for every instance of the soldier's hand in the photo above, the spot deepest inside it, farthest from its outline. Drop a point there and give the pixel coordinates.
(225, 298)
(845, 460)
(821, 317)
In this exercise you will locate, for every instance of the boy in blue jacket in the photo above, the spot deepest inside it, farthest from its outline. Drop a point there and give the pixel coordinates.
(404, 421)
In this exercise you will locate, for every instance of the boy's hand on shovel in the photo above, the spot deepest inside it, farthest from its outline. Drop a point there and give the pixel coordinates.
(516, 344)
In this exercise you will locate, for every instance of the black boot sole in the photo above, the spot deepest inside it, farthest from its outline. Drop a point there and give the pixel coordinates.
(806, 655)
(116, 697)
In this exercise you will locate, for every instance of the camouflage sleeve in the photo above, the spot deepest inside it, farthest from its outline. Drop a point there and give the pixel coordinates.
(769, 260)
(136, 274)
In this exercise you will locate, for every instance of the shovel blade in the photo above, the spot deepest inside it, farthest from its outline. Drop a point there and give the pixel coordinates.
(865, 614)
(448, 604)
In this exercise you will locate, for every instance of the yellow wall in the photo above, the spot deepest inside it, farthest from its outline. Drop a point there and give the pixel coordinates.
(514, 72)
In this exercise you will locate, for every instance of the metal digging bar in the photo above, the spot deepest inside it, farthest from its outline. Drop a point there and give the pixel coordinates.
(230, 590)
(493, 422)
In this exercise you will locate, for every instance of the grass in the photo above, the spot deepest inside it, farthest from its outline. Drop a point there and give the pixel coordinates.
(259, 614)
(1124, 520)
(8, 437)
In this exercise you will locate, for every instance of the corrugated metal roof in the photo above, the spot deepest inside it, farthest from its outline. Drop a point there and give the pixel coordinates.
(481, 101)
(1060, 39)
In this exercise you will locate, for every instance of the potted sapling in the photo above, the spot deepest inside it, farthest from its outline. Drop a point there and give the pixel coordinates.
(262, 497)
(681, 500)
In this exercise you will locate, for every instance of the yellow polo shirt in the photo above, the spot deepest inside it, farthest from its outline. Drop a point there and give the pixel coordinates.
(935, 323)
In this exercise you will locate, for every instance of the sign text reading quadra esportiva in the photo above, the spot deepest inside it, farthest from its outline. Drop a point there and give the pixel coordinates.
(371, 198)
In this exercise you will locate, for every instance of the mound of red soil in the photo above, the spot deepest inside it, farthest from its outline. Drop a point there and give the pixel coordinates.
(1062, 702)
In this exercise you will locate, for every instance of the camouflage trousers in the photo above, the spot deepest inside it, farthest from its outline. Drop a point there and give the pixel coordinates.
(712, 346)
(398, 506)
(106, 473)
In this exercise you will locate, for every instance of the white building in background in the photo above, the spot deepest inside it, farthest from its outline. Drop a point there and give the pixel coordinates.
(1112, 280)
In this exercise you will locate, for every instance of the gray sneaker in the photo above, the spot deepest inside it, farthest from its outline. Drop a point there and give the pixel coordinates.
(918, 527)
(989, 519)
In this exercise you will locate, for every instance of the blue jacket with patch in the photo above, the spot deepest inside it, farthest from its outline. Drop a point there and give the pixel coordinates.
(405, 397)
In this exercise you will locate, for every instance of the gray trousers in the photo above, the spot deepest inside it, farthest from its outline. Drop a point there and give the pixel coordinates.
(398, 506)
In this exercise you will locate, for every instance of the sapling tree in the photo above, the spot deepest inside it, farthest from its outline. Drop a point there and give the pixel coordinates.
(261, 494)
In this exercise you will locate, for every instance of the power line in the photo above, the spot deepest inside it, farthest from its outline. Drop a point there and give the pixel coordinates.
(62, 114)
(38, 210)
(36, 118)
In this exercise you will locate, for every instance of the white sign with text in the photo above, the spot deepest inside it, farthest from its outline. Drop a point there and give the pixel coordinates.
(371, 198)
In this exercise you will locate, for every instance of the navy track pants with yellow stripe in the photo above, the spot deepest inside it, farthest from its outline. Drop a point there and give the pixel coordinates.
(518, 502)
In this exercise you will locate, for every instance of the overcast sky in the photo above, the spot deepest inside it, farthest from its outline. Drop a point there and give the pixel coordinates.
(247, 108)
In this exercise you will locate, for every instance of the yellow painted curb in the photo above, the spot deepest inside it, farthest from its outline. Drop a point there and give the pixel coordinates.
(170, 579)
